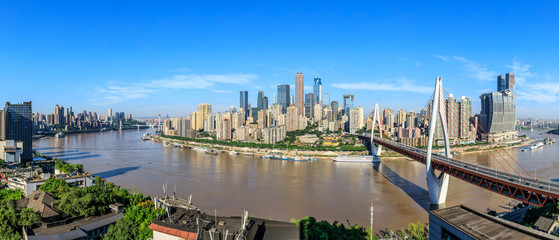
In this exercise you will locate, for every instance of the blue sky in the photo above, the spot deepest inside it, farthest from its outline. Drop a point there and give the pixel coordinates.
(145, 57)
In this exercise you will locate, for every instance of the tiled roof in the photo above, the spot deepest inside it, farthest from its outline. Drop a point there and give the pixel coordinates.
(174, 232)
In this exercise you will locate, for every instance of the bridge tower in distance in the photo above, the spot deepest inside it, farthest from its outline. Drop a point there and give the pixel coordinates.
(376, 151)
(437, 185)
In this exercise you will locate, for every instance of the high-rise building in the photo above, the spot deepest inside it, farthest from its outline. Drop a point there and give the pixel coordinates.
(401, 118)
(498, 109)
(262, 119)
(58, 115)
(317, 116)
(410, 119)
(465, 115)
(317, 90)
(244, 101)
(260, 100)
(452, 116)
(284, 96)
(355, 119)
(334, 111)
(16, 123)
(388, 117)
(292, 122)
(309, 104)
(265, 103)
(203, 111)
(300, 93)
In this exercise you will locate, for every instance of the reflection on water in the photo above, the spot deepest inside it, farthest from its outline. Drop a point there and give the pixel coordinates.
(282, 189)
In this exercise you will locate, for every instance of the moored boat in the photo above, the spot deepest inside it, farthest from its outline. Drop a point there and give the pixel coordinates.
(361, 158)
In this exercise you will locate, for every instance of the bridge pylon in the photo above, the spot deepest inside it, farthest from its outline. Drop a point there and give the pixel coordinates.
(438, 185)
(376, 150)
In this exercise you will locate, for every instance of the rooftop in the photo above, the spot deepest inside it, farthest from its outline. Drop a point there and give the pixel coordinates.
(482, 226)
(74, 227)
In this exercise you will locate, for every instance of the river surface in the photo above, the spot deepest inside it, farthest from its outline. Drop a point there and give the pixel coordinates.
(283, 190)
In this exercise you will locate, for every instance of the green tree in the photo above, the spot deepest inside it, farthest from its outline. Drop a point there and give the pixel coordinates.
(122, 230)
(55, 186)
(417, 231)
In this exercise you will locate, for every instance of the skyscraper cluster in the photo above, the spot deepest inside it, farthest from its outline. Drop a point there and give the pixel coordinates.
(268, 122)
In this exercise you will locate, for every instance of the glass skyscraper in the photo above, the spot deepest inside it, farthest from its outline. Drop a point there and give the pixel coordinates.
(498, 109)
(309, 104)
(284, 97)
(16, 123)
(317, 90)
(244, 102)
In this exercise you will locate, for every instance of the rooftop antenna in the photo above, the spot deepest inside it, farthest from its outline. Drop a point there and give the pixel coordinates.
(189, 200)
(174, 193)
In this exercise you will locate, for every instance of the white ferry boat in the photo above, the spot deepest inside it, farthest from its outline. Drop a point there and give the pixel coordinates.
(361, 158)
(533, 147)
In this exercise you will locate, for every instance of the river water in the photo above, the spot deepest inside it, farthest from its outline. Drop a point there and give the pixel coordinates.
(283, 190)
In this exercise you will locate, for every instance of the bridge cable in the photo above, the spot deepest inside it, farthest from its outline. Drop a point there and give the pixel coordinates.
(494, 157)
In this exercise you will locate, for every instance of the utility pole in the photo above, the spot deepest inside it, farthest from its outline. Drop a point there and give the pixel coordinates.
(372, 220)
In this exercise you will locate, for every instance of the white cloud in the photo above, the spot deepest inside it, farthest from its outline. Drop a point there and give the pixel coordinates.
(401, 85)
(442, 58)
(183, 69)
(116, 92)
(477, 70)
(221, 91)
(540, 92)
(521, 71)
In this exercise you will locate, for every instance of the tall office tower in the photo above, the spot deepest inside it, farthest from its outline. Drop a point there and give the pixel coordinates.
(243, 102)
(334, 111)
(232, 109)
(498, 110)
(317, 115)
(309, 104)
(58, 115)
(16, 123)
(410, 119)
(465, 115)
(260, 100)
(265, 103)
(388, 117)
(284, 97)
(300, 92)
(317, 90)
(452, 116)
(400, 118)
(110, 114)
(292, 121)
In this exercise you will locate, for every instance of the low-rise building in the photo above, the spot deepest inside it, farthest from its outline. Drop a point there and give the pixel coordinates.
(192, 225)
(11, 151)
(29, 184)
(460, 222)
(548, 225)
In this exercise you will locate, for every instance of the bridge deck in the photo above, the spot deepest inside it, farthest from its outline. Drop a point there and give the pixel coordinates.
(527, 190)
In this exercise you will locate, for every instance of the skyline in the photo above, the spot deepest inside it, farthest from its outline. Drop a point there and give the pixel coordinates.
(145, 59)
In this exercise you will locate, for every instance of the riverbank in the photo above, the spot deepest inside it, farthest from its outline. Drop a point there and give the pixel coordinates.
(39, 136)
(263, 151)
